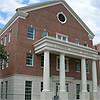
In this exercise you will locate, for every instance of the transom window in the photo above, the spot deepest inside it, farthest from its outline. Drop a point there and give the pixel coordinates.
(77, 91)
(58, 63)
(30, 33)
(28, 90)
(44, 34)
(77, 64)
(76, 42)
(61, 37)
(29, 59)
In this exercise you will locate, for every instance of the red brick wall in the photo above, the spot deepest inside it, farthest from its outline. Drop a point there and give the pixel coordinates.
(43, 19)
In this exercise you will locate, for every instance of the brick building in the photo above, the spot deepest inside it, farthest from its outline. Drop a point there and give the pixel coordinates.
(50, 54)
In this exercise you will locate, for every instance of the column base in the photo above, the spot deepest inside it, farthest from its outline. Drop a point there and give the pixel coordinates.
(46, 95)
(63, 95)
(96, 95)
(84, 95)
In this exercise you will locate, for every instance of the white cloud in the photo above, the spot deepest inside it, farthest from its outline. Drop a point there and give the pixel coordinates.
(89, 11)
(34, 1)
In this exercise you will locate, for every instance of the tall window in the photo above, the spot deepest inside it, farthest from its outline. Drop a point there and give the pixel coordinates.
(77, 91)
(3, 64)
(58, 63)
(10, 32)
(44, 34)
(88, 87)
(2, 41)
(77, 64)
(1, 90)
(87, 67)
(5, 40)
(76, 42)
(30, 33)
(42, 61)
(28, 90)
(41, 86)
(29, 59)
(7, 61)
(6, 89)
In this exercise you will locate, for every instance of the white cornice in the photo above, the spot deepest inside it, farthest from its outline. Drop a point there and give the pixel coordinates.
(18, 14)
(55, 2)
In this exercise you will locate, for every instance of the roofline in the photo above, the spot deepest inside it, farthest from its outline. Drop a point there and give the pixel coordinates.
(26, 9)
(17, 15)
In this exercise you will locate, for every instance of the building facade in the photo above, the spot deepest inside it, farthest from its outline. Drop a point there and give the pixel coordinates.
(50, 55)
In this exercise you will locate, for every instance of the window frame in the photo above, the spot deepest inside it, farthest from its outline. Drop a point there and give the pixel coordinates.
(57, 34)
(76, 66)
(3, 64)
(30, 32)
(1, 90)
(87, 64)
(28, 88)
(86, 44)
(42, 61)
(10, 33)
(32, 59)
(46, 32)
(78, 94)
(88, 87)
(6, 89)
(7, 63)
(5, 41)
(1, 41)
(77, 42)
(58, 69)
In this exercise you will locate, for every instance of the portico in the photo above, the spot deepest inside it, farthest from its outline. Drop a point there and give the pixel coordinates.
(49, 45)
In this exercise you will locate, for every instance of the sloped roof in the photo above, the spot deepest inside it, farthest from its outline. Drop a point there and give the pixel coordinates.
(27, 9)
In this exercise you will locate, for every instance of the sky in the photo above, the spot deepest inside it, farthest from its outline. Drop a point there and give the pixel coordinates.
(87, 10)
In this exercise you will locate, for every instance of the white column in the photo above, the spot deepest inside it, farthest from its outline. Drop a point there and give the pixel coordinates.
(83, 75)
(63, 95)
(46, 72)
(84, 95)
(94, 76)
(62, 72)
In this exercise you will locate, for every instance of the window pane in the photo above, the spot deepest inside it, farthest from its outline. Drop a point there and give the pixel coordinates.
(66, 64)
(5, 39)
(44, 34)
(64, 38)
(7, 61)
(76, 42)
(41, 86)
(1, 41)
(42, 61)
(85, 44)
(6, 89)
(29, 59)
(77, 91)
(59, 37)
(30, 33)
(1, 90)
(10, 35)
(87, 67)
(77, 64)
(28, 90)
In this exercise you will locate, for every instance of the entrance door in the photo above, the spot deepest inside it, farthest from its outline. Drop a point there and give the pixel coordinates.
(67, 89)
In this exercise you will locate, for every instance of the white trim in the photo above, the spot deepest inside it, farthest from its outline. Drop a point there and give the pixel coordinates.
(63, 15)
(55, 2)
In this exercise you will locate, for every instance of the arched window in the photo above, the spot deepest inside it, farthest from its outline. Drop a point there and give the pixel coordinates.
(44, 34)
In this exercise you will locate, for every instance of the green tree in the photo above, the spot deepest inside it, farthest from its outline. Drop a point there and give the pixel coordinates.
(3, 53)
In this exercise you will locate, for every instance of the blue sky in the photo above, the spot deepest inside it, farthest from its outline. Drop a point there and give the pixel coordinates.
(88, 10)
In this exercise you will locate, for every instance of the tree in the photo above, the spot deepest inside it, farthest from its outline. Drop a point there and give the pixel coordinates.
(3, 53)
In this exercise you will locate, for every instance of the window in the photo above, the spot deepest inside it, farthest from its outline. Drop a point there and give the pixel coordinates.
(87, 67)
(77, 91)
(2, 41)
(29, 59)
(28, 90)
(44, 34)
(76, 42)
(30, 33)
(7, 61)
(85, 44)
(61, 37)
(41, 86)
(77, 65)
(3, 64)
(10, 35)
(61, 17)
(6, 89)
(88, 87)
(1, 90)
(42, 61)
(5, 40)
(58, 63)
